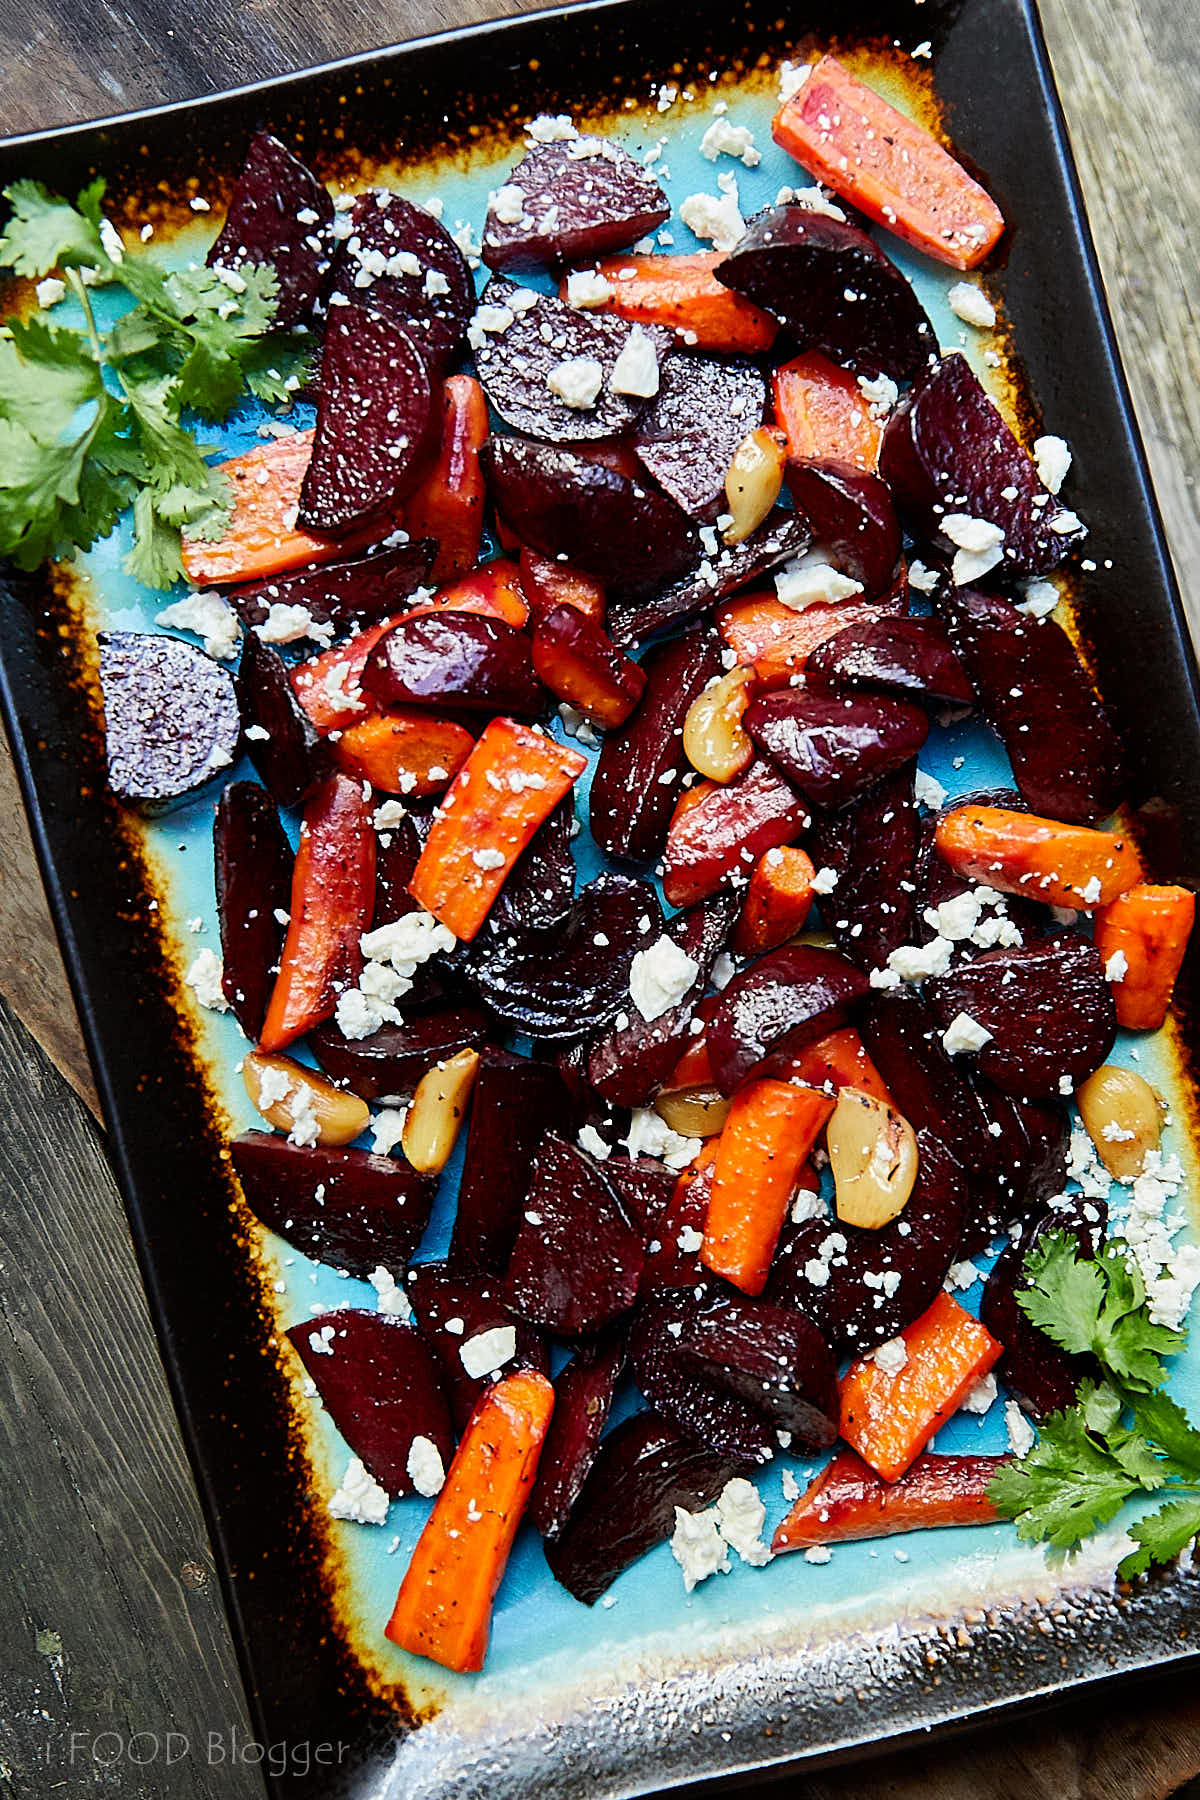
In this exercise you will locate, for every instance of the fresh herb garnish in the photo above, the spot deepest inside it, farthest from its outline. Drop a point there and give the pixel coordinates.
(91, 421)
(1123, 1436)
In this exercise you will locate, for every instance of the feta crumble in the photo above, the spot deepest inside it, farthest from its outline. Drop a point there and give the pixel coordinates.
(589, 1139)
(981, 1395)
(208, 617)
(971, 305)
(892, 1356)
(964, 1034)
(980, 546)
(698, 1547)
(425, 1468)
(204, 979)
(719, 221)
(587, 288)
(488, 1351)
(724, 139)
(809, 580)
(741, 1516)
(651, 1136)
(660, 976)
(929, 791)
(387, 1129)
(1052, 456)
(576, 381)
(1021, 1435)
(390, 1297)
(360, 1497)
(636, 368)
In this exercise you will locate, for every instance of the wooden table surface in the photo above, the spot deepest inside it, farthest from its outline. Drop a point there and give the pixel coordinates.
(112, 1622)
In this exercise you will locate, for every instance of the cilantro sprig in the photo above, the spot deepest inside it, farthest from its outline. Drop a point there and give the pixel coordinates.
(91, 421)
(1124, 1436)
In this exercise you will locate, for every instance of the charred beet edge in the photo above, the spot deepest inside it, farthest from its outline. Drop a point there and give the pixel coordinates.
(292, 755)
(577, 1259)
(579, 199)
(870, 846)
(393, 1059)
(170, 717)
(454, 1309)
(852, 519)
(347, 1208)
(454, 659)
(783, 1002)
(398, 230)
(515, 1103)
(780, 537)
(346, 595)
(1043, 1378)
(909, 657)
(253, 867)
(688, 433)
(833, 746)
(263, 226)
(583, 1394)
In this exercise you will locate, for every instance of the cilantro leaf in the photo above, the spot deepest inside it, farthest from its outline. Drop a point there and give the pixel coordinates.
(1097, 1307)
(47, 233)
(1066, 1487)
(1162, 1535)
(1161, 1419)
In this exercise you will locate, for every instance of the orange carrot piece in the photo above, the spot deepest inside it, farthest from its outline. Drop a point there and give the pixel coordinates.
(776, 641)
(889, 1419)
(778, 897)
(824, 412)
(887, 165)
(448, 504)
(494, 590)
(444, 1607)
(682, 293)
(1020, 853)
(770, 1130)
(549, 583)
(1150, 927)
(333, 897)
(848, 1502)
(404, 751)
(483, 819)
(328, 686)
(840, 1060)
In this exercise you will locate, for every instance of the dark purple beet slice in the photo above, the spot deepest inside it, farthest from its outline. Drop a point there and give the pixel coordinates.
(693, 1401)
(1029, 1142)
(629, 1064)
(170, 717)
(636, 783)
(852, 519)
(903, 1040)
(540, 891)
(781, 536)
(687, 435)
(390, 1062)
(578, 199)
(292, 755)
(779, 1004)
(870, 845)
(1043, 1378)
(906, 656)
(565, 504)
(514, 1104)
(673, 1239)
(398, 232)
(454, 1309)
(834, 290)
(774, 1359)
(583, 1393)
(348, 1208)
(562, 984)
(280, 214)
(397, 852)
(1047, 1005)
(643, 1471)
(380, 1386)
(1034, 689)
(347, 595)
(947, 450)
(852, 1293)
(457, 659)
(253, 868)
(645, 1186)
(832, 746)
(376, 421)
(577, 1259)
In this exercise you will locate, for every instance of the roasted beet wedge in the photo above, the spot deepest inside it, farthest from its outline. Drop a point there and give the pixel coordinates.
(863, 1287)
(1036, 692)
(904, 656)
(645, 1186)
(643, 1471)
(515, 1103)
(376, 422)
(870, 846)
(851, 517)
(540, 892)
(454, 1312)
(347, 1208)
(577, 1259)
(946, 450)
(635, 785)
(629, 1064)
(693, 1401)
(833, 289)
(566, 504)
(1029, 1140)
(903, 1039)
(719, 832)
(833, 746)
(564, 984)
(688, 433)
(170, 717)
(1048, 1008)
(380, 1386)
(1042, 1377)
(282, 215)
(412, 245)
(454, 659)
(575, 659)
(709, 580)
(253, 867)
(782, 1002)
(393, 1059)
(346, 595)
(674, 1239)
(570, 201)
(774, 1359)
(292, 754)
(583, 1393)
(397, 852)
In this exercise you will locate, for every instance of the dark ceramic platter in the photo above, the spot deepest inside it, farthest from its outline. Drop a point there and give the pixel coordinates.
(873, 1680)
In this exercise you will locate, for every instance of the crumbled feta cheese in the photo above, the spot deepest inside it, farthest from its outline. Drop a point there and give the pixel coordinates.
(723, 971)
(576, 726)
(717, 220)
(1171, 1272)
(971, 305)
(425, 1467)
(922, 579)
(651, 1136)
(576, 381)
(204, 979)
(305, 1130)
(391, 1298)
(818, 1553)
(892, 1356)
(792, 77)
(791, 1487)
(387, 1129)
(660, 976)
(1021, 1435)
(964, 1034)
(50, 290)
(388, 815)
(394, 952)
(589, 1139)
(814, 200)
(286, 624)
(741, 1516)
(807, 1204)
(636, 368)
(1053, 458)
(320, 1342)
(360, 1497)
(488, 859)
(208, 617)
(810, 580)
(488, 1351)
(698, 1547)
(981, 1395)
(1041, 598)
(1117, 966)
(724, 139)
(961, 1276)
(929, 791)
(551, 129)
(1091, 892)
(587, 288)
(1065, 524)
(507, 204)
(913, 962)
(880, 393)
(980, 546)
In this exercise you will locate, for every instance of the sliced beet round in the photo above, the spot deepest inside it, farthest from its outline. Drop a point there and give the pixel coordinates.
(904, 656)
(170, 717)
(292, 754)
(947, 450)
(709, 580)
(583, 1393)
(376, 421)
(348, 1208)
(514, 1104)
(774, 1359)
(346, 595)
(727, 828)
(568, 202)
(1035, 691)
(391, 262)
(693, 1401)
(279, 214)
(688, 433)
(380, 1386)
(566, 504)
(391, 1062)
(832, 746)
(834, 290)
(540, 892)
(454, 1312)
(851, 517)
(643, 1470)
(253, 868)
(454, 659)
(1048, 1008)
(903, 1039)
(870, 845)
(1042, 1377)
(781, 1003)
(577, 1259)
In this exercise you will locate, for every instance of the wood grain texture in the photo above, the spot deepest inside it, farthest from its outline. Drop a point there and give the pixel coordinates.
(113, 1621)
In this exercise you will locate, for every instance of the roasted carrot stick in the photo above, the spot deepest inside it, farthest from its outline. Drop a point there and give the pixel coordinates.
(682, 293)
(778, 898)
(512, 780)
(771, 1128)
(448, 505)
(327, 686)
(333, 895)
(776, 641)
(404, 751)
(548, 583)
(494, 590)
(444, 1607)
(841, 1061)
(1019, 853)
(887, 165)
(824, 412)
(848, 1501)
(1149, 927)
(889, 1419)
